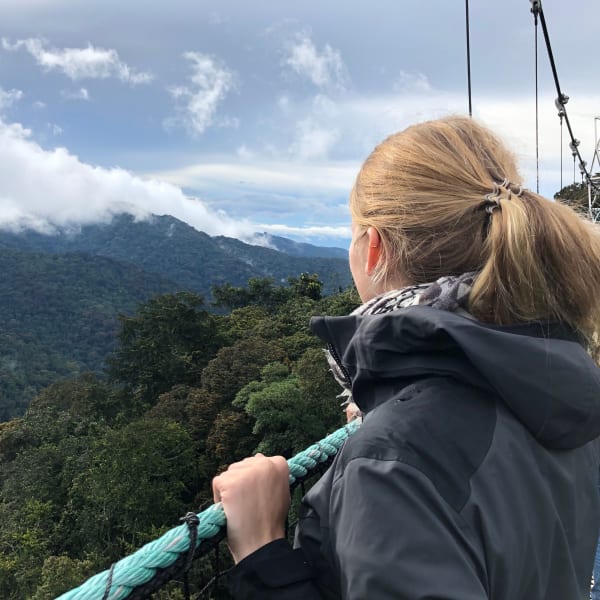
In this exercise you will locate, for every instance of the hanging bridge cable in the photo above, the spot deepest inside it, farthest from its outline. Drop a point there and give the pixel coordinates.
(562, 98)
(561, 116)
(468, 58)
(535, 9)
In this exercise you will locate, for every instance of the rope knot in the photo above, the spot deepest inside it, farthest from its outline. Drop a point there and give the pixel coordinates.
(192, 520)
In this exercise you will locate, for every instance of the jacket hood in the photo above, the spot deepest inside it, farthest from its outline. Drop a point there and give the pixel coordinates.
(540, 370)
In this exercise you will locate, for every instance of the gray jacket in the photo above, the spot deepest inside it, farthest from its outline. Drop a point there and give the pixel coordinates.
(474, 474)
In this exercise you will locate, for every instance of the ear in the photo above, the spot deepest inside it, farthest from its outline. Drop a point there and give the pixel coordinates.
(374, 251)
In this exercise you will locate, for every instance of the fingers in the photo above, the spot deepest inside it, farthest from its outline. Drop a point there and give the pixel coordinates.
(280, 463)
(247, 461)
(254, 466)
(258, 460)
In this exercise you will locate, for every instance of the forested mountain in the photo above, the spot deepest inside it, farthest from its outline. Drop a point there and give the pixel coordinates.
(59, 317)
(192, 259)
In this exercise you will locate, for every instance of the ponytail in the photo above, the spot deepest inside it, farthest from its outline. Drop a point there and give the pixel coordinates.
(542, 262)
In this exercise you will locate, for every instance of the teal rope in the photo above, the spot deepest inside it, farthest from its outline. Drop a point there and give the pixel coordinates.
(140, 567)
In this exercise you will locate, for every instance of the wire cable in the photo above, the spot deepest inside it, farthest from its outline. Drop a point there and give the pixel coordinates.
(468, 58)
(561, 116)
(535, 11)
(562, 98)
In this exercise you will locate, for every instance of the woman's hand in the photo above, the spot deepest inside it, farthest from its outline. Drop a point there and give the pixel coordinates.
(255, 495)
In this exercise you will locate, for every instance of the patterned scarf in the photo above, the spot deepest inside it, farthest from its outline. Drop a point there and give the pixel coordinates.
(447, 293)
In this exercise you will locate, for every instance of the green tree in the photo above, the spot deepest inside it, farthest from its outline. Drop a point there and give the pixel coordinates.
(319, 390)
(60, 574)
(44, 452)
(137, 477)
(309, 286)
(260, 291)
(342, 303)
(236, 365)
(197, 411)
(71, 407)
(230, 440)
(23, 547)
(285, 420)
(167, 342)
(244, 322)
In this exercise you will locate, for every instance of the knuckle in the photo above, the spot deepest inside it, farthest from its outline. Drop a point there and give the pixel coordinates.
(281, 463)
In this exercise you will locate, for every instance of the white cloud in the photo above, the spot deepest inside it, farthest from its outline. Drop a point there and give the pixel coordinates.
(80, 94)
(313, 141)
(324, 69)
(244, 152)
(408, 82)
(316, 134)
(258, 175)
(55, 129)
(79, 63)
(198, 101)
(324, 231)
(8, 98)
(46, 189)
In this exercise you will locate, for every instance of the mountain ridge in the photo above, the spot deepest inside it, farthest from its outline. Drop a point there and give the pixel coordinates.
(173, 249)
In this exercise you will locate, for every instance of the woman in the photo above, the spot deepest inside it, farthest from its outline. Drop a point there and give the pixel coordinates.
(474, 473)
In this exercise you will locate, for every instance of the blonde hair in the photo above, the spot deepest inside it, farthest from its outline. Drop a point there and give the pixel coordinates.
(424, 190)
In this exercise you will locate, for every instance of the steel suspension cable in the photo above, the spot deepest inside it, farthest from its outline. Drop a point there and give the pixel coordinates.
(561, 149)
(534, 10)
(562, 98)
(468, 58)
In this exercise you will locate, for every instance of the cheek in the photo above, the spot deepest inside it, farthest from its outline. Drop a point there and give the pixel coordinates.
(357, 268)
(354, 259)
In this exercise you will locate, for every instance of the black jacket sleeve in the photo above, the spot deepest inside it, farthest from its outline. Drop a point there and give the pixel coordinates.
(274, 571)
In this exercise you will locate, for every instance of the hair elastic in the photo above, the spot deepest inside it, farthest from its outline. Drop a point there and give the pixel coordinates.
(490, 204)
(491, 201)
(509, 187)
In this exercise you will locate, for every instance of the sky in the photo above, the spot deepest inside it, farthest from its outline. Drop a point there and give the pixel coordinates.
(240, 117)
